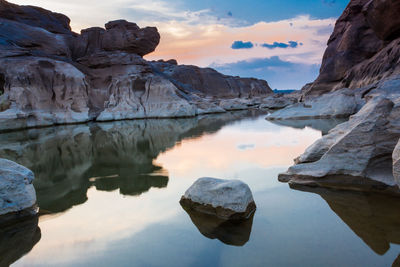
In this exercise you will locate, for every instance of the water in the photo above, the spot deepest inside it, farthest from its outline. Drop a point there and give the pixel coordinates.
(109, 196)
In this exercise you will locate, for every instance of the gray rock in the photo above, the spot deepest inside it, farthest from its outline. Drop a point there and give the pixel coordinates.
(227, 199)
(16, 189)
(277, 102)
(360, 148)
(338, 104)
(396, 163)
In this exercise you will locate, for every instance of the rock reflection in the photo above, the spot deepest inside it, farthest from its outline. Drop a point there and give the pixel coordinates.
(17, 239)
(374, 217)
(230, 232)
(67, 160)
(323, 125)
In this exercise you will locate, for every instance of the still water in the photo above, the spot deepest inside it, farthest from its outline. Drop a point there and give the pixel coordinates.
(109, 196)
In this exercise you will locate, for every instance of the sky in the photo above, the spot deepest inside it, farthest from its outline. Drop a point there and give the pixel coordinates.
(281, 41)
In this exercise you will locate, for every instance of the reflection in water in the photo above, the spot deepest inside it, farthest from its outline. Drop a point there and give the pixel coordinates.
(374, 217)
(17, 239)
(67, 160)
(323, 125)
(230, 232)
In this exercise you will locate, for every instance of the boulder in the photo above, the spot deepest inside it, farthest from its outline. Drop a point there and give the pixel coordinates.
(355, 151)
(226, 199)
(338, 104)
(16, 189)
(277, 102)
(120, 35)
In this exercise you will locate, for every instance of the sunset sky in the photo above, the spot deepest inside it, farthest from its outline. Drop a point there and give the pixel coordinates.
(281, 41)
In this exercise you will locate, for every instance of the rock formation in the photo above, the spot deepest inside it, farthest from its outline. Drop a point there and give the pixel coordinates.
(51, 75)
(225, 199)
(360, 74)
(363, 49)
(16, 189)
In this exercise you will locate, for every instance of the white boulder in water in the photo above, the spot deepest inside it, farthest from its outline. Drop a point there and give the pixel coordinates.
(227, 199)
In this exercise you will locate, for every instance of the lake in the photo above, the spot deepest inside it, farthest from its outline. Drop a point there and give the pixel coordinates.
(109, 196)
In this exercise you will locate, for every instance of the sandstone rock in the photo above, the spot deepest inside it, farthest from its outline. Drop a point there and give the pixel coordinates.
(361, 148)
(337, 104)
(36, 17)
(226, 199)
(209, 82)
(363, 49)
(396, 163)
(50, 75)
(16, 189)
(277, 102)
(234, 104)
(120, 35)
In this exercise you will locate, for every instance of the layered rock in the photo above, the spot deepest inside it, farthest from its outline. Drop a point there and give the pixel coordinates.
(359, 69)
(364, 47)
(17, 193)
(338, 104)
(225, 199)
(51, 75)
(355, 150)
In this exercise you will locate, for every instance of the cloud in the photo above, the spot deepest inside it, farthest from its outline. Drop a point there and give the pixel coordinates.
(290, 44)
(279, 73)
(242, 45)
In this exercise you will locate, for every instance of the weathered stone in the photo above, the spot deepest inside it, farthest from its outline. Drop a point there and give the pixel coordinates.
(277, 102)
(361, 147)
(363, 49)
(396, 163)
(16, 188)
(226, 199)
(337, 104)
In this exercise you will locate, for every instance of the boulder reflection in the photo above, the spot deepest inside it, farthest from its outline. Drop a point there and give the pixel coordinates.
(68, 160)
(17, 239)
(230, 232)
(374, 217)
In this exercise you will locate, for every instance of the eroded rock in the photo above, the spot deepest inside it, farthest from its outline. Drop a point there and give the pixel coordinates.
(16, 189)
(226, 199)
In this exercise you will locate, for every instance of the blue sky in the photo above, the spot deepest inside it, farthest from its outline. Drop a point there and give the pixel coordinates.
(237, 37)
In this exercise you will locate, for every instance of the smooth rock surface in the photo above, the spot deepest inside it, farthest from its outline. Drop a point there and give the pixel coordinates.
(396, 163)
(16, 189)
(227, 199)
(361, 147)
(277, 102)
(338, 104)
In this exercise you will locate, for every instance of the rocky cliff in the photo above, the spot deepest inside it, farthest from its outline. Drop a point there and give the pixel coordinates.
(51, 75)
(363, 49)
(360, 76)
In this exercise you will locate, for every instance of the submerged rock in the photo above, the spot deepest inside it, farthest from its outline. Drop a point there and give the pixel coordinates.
(17, 193)
(226, 199)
